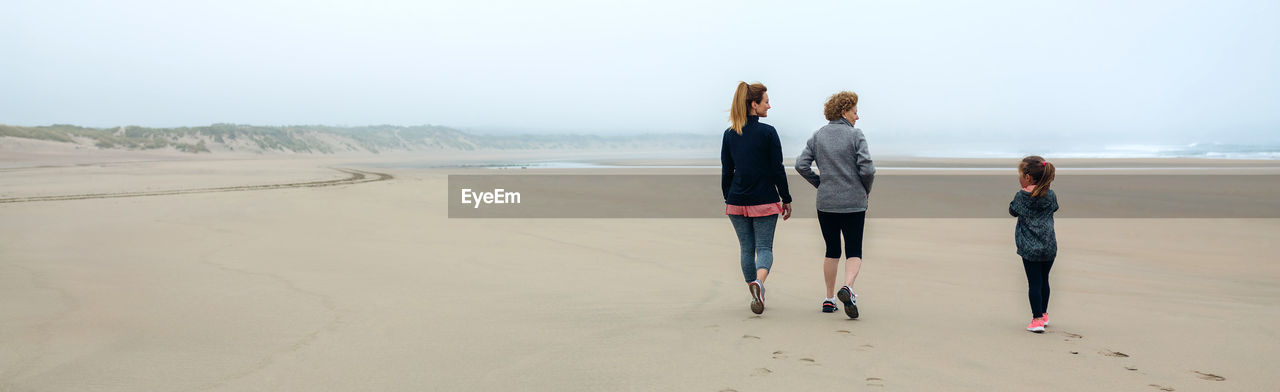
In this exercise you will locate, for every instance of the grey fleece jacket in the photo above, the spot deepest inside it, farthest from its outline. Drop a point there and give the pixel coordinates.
(845, 163)
(1034, 233)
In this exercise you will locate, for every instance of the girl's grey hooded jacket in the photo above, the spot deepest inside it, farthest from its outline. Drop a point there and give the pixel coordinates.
(1034, 233)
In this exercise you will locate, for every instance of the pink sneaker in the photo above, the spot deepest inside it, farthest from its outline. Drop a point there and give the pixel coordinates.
(1045, 316)
(1037, 325)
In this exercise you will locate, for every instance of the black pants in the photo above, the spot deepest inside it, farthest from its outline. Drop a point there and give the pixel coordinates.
(848, 223)
(1038, 285)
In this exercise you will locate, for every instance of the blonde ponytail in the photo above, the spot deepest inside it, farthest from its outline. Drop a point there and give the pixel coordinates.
(742, 99)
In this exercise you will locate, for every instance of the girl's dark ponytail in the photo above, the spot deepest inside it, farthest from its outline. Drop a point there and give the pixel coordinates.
(1046, 178)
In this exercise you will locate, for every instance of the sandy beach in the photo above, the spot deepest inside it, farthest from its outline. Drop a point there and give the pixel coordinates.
(369, 285)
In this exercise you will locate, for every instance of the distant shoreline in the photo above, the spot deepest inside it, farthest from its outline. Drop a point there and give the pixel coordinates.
(887, 163)
(319, 140)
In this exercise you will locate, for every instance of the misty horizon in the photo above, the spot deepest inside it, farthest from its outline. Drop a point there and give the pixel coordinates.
(996, 73)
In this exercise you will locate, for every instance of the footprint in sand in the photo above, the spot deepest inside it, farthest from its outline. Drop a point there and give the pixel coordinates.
(1116, 354)
(1072, 336)
(779, 354)
(875, 382)
(1209, 376)
(865, 347)
(1161, 387)
(1131, 368)
(809, 360)
(750, 337)
(843, 331)
(761, 372)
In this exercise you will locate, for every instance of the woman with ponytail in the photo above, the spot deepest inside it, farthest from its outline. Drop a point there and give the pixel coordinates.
(754, 184)
(1034, 206)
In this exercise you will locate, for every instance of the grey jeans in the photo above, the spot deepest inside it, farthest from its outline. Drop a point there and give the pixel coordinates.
(755, 237)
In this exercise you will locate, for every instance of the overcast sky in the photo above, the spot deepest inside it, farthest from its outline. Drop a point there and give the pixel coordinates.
(1125, 71)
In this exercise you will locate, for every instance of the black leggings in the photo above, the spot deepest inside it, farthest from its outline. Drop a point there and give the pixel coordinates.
(1038, 285)
(849, 223)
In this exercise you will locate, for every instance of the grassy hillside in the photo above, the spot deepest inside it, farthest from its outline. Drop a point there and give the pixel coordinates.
(326, 139)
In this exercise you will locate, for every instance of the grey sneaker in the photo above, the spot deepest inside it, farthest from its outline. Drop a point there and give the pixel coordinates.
(757, 297)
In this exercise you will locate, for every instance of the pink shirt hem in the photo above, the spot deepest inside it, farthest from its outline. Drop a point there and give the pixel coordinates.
(754, 211)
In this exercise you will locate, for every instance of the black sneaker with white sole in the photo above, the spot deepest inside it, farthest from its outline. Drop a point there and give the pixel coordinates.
(850, 301)
(829, 307)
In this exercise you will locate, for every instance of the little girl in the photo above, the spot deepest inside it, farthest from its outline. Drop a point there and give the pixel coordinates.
(1034, 206)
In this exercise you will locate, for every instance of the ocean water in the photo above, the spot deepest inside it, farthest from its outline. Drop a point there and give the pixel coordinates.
(577, 160)
(1192, 150)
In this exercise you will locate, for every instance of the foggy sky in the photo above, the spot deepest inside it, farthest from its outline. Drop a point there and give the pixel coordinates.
(1131, 71)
